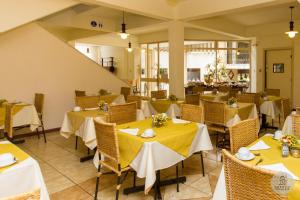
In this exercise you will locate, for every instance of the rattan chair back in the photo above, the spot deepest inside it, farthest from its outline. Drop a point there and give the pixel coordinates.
(273, 92)
(285, 107)
(123, 113)
(296, 124)
(243, 134)
(79, 93)
(298, 110)
(137, 99)
(33, 195)
(8, 122)
(249, 98)
(87, 101)
(125, 91)
(107, 140)
(193, 99)
(198, 90)
(39, 102)
(224, 88)
(233, 92)
(160, 94)
(214, 112)
(246, 182)
(192, 113)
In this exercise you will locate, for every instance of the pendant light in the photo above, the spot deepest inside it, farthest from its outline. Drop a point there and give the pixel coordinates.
(292, 33)
(129, 49)
(123, 33)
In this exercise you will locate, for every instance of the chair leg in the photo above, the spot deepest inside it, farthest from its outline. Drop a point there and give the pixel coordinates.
(118, 186)
(217, 140)
(43, 130)
(134, 179)
(76, 141)
(37, 132)
(202, 163)
(182, 164)
(97, 182)
(177, 179)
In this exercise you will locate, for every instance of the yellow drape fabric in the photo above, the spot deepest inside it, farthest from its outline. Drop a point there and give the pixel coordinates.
(77, 118)
(162, 105)
(14, 150)
(272, 156)
(16, 109)
(177, 137)
(243, 110)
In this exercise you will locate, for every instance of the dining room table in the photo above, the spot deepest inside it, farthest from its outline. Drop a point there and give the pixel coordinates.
(172, 143)
(23, 114)
(270, 106)
(155, 106)
(270, 156)
(23, 175)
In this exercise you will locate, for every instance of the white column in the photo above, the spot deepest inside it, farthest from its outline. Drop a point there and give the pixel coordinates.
(176, 58)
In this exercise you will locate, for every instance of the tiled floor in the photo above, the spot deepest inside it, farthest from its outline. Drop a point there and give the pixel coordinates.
(67, 178)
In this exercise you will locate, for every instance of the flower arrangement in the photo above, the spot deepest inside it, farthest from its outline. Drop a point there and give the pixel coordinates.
(172, 97)
(103, 92)
(2, 101)
(290, 140)
(159, 119)
(102, 105)
(231, 101)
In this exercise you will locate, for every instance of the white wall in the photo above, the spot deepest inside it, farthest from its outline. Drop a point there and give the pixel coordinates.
(33, 60)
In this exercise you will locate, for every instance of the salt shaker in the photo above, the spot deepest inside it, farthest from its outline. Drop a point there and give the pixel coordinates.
(285, 150)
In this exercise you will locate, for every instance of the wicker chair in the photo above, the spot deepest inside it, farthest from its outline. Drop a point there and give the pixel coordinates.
(123, 113)
(125, 91)
(193, 99)
(285, 108)
(8, 124)
(247, 182)
(296, 125)
(137, 99)
(233, 92)
(33, 195)
(87, 101)
(193, 113)
(198, 90)
(298, 110)
(39, 105)
(249, 98)
(272, 92)
(242, 134)
(108, 146)
(160, 94)
(214, 118)
(79, 93)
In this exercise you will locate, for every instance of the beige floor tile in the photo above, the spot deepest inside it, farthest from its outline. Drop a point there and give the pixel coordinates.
(71, 193)
(186, 192)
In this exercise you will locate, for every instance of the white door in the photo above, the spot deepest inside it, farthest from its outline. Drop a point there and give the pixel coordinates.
(279, 71)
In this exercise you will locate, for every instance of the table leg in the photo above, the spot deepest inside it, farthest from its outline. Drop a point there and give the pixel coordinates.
(264, 124)
(157, 195)
(88, 157)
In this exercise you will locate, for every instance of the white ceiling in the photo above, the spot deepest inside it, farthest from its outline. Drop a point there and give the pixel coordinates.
(279, 13)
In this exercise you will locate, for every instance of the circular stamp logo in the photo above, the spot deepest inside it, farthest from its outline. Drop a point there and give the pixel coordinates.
(282, 183)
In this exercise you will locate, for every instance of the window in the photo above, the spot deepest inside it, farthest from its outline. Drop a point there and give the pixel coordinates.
(224, 61)
(154, 73)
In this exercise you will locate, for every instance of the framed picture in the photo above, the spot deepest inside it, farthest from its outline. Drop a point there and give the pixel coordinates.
(278, 68)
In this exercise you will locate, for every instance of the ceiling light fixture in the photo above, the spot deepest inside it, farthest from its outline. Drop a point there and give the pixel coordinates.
(123, 33)
(292, 33)
(129, 49)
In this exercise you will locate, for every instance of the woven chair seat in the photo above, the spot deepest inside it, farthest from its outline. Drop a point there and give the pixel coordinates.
(110, 164)
(217, 128)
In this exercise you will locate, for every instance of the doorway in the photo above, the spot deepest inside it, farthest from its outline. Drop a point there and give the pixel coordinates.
(278, 71)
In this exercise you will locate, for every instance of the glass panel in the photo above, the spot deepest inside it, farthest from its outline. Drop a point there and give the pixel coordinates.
(143, 61)
(152, 60)
(234, 44)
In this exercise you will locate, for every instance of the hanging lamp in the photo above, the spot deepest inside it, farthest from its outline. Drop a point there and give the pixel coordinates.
(123, 33)
(292, 33)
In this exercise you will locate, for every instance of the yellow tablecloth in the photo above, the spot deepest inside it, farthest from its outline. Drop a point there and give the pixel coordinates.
(13, 149)
(214, 97)
(162, 105)
(177, 137)
(77, 118)
(272, 156)
(16, 109)
(243, 111)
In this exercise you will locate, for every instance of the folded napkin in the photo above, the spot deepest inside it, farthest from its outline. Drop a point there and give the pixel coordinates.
(5, 142)
(130, 131)
(96, 108)
(179, 121)
(279, 167)
(260, 145)
(269, 135)
(6, 157)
